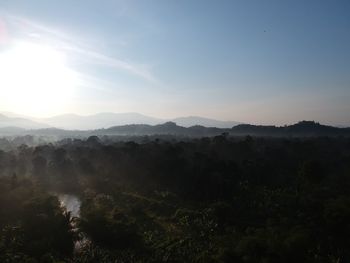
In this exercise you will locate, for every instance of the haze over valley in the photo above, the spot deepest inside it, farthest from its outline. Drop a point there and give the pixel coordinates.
(178, 131)
(102, 120)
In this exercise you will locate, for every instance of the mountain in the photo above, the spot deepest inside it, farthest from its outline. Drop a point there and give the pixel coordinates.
(168, 128)
(22, 123)
(206, 122)
(98, 121)
(105, 120)
(301, 129)
(137, 124)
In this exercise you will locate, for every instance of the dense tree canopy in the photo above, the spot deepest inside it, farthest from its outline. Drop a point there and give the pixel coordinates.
(219, 199)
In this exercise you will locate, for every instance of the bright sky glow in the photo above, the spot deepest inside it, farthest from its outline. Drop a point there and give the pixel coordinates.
(35, 79)
(261, 62)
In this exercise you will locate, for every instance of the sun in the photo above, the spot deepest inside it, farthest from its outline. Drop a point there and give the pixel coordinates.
(35, 79)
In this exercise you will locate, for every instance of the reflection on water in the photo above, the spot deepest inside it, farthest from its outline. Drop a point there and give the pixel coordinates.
(71, 203)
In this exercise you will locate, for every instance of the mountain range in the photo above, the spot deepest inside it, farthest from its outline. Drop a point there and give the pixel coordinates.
(19, 122)
(102, 120)
(72, 125)
(300, 129)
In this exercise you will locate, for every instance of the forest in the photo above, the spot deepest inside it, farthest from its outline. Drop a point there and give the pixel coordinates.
(169, 199)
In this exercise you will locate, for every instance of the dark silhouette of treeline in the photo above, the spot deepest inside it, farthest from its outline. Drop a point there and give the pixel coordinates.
(211, 199)
(301, 129)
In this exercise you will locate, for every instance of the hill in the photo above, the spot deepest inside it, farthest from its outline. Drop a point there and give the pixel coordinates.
(98, 121)
(22, 123)
(206, 122)
(301, 129)
(109, 119)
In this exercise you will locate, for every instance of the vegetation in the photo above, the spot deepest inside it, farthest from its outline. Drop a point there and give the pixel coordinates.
(218, 199)
(300, 129)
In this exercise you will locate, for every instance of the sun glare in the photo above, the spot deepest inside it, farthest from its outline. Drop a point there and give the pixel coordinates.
(35, 79)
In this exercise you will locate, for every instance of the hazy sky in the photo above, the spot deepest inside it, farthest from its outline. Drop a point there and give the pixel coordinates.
(273, 62)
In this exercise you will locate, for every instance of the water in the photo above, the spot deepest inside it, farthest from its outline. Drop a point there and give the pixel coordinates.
(71, 203)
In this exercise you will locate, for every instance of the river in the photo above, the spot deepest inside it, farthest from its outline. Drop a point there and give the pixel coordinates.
(70, 202)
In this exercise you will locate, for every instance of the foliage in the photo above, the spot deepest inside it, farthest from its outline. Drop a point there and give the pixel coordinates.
(219, 199)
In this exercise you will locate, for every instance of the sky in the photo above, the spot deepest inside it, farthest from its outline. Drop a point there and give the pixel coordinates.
(262, 62)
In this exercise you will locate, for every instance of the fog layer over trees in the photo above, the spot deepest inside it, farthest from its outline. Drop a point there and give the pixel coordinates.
(218, 199)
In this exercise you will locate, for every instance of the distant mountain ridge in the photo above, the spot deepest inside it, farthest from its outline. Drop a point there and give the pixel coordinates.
(17, 122)
(301, 129)
(133, 123)
(100, 120)
(107, 119)
(206, 122)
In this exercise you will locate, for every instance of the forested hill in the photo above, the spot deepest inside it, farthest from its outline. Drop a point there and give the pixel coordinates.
(304, 128)
(301, 129)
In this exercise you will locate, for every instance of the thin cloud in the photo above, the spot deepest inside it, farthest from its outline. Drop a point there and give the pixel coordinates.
(37, 32)
(99, 58)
